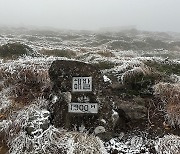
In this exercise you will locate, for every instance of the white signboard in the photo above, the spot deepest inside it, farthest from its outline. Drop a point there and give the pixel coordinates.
(82, 84)
(83, 108)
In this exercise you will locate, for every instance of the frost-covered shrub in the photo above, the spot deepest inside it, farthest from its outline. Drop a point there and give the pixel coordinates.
(165, 66)
(170, 95)
(26, 78)
(136, 74)
(50, 140)
(57, 141)
(30, 118)
(30, 132)
(139, 80)
(59, 53)
(173, 114)
(30, 84)
(14, 50)
(169, 144)
(106, 53)
(175, 78)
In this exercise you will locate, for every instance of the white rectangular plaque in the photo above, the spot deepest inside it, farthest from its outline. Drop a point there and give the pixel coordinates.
(83, 108)
(82, 84)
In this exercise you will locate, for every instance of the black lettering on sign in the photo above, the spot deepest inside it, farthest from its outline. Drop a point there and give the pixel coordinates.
(71, 107)
(93, 106)
(85, 107)
(76, 107)
(81, 107)
(86, 84)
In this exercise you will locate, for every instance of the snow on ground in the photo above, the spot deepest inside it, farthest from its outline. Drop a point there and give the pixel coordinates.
(131, 143)
(51, 139)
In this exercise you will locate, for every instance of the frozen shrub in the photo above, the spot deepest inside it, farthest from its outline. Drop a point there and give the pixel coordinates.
(170, 95)
(14, 50)
(59, 53)
(165, 66)
(26, 80)
(169, 144)
(57, 141)
(106, 54)
(173, 114)
(50, 140)
(30, 84)
(141, 76)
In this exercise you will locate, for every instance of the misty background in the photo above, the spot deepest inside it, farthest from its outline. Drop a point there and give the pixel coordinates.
(151, 15)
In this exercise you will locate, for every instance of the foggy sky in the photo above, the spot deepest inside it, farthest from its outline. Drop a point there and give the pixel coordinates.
(154, 15)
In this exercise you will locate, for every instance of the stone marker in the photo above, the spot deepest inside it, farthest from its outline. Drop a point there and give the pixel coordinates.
(77, 96)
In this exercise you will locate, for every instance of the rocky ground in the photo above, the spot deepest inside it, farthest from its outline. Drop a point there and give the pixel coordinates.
(140, 91)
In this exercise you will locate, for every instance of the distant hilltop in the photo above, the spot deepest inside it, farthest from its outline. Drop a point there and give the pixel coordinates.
(117, 28)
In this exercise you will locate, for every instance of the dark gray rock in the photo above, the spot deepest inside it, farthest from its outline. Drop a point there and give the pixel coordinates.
(61, 73)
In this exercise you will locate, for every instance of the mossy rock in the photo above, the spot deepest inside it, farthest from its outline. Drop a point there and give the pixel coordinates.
(61, 74)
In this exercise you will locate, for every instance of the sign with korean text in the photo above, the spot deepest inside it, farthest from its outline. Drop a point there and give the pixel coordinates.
(82, 84)
(83, 108)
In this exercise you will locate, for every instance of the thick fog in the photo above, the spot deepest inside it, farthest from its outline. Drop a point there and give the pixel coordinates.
(154, 15)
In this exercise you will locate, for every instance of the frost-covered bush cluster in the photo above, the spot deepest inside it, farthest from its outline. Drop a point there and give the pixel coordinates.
(29, 131)
(13, 50)
(57, 141)
(46, 140)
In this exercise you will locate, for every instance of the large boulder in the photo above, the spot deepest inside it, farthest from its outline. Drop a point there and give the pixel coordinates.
(61, 74)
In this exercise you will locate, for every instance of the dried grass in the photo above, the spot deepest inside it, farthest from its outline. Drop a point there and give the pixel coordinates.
(26, 82)
(136, 74)
(106, 53)
(170, 95)
(59, 53)
(173, 114)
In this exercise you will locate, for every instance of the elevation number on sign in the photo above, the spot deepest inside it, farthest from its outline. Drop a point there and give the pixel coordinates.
(83, 108)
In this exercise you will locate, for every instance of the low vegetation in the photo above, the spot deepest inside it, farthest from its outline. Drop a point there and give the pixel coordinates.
(14, 50)
(59, 53)
(146, 84)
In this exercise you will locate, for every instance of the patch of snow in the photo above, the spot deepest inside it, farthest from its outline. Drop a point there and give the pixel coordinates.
(106, 79)
(104, 121)
(99, 129)
(132, 145)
